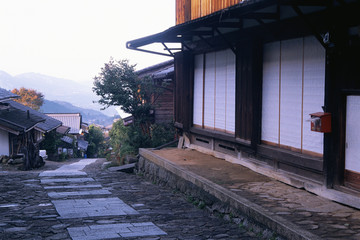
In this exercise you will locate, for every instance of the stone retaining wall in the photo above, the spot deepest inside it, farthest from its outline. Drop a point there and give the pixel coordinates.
(199, 197)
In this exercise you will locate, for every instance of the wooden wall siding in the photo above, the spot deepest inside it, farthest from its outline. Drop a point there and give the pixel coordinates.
(187, 10)
(164, 106)
(183, 11)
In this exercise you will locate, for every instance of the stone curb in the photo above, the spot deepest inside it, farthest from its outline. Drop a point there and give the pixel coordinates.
(254, 211)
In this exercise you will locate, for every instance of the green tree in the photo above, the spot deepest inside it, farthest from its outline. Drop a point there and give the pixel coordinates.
(51, 142)
(119, 141)
(95, 139)
(118, 85)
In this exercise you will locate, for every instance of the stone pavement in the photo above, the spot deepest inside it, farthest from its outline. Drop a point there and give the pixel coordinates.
(294, 212)
(82, 201)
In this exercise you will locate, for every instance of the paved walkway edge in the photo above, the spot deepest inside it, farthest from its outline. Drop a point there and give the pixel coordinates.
(253, 211)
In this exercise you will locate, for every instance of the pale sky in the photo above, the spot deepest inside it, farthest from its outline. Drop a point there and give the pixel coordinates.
(73, 39)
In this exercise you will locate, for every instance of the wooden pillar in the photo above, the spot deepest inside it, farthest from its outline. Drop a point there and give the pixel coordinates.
(333, 157)
(183, 90)
(248, 91)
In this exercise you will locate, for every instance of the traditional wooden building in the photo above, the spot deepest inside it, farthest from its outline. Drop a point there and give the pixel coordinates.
(162, 76)
(22, 129)
(271, 84)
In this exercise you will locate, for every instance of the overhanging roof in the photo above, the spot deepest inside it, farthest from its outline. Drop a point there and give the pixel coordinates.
(19, 120)
(5, 95)
(254, 18)
(46, 126)
(159, 71)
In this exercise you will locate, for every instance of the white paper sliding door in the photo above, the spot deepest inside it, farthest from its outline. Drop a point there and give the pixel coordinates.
(271, 90)
(291, 91)
(313, 96)
(352, 144)
(293, 87)
(230, 92)
(214, 91)
(209, 90)
(220, 91)
(198, 90)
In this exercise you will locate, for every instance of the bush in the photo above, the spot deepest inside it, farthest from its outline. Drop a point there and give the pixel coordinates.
(95, 139)
(127, 140)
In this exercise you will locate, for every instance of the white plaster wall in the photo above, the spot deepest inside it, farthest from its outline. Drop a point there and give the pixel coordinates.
(4, 142)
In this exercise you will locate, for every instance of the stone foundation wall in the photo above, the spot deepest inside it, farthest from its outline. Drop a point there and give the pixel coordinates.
(200, 198)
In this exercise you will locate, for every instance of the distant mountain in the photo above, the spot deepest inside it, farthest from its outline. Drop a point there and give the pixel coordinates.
(6, 80)
(88, 115)
(78, 94)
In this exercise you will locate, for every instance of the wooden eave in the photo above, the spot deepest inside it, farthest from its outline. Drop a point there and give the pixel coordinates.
(255, 18)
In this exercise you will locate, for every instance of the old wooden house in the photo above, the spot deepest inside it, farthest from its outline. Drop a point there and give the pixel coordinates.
(22, 129)
(74, 127)
(162, 76)
(270, 84)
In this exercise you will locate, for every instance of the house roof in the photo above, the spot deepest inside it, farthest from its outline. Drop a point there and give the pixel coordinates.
(5, 95)
(158, 71)
(82, 144)
(7, 126)
(19, 120)
(46, 126)
(67, 139)
(268, 19)
(72, 120)
(63, 129)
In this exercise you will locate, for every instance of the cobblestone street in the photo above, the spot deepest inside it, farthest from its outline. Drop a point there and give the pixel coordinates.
(82, 201)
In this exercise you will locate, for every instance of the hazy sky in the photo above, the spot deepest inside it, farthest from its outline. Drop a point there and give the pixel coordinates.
(73, 39)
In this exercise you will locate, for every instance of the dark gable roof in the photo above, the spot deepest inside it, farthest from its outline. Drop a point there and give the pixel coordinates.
(82, 144)
(7, 126)
(5, 94)
(158, 71)
(19, 120)
(47, 125)
(63, 129)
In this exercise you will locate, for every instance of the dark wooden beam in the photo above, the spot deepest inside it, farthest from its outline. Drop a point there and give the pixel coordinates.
(305, 2)
(186, 46)
(205, 40)
(270, 16)
(167, 49)
(226, 41)
(229, 25)
(260, 21)
(310, 26)
(199, 33)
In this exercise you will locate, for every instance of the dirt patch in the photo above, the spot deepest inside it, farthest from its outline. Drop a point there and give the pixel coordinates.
(49, 165)
(215, 169)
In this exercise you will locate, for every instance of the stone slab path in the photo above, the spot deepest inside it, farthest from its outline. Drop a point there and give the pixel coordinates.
(83, 201)
(91, 207)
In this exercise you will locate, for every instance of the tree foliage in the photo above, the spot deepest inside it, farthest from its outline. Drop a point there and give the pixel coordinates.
(51, 142)
(95, 139)
(118, 85)
(126, 140)
(29, 97)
